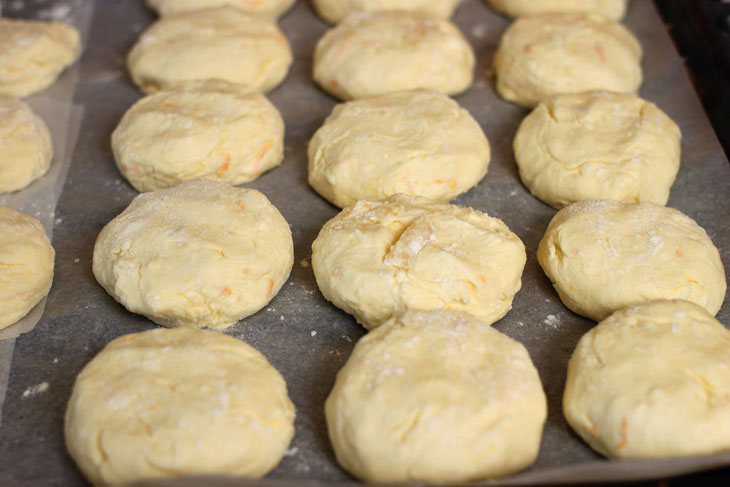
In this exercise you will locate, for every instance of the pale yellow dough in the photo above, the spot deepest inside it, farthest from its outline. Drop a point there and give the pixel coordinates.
(33, 54)
(377, 259)
(218, 43)
(558, 53)
(416, 142)
(598, 145)
(202, 254)
(336, 10)
(436, 397)
(26, 149)
(612, 9)
(372, 53)
(652, 380)
(175, 403)
(268, 8)
(605, 255)
(198, 129)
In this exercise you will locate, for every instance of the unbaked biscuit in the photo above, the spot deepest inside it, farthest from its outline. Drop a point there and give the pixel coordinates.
(267, 8)
(336, 10)
(612, 9)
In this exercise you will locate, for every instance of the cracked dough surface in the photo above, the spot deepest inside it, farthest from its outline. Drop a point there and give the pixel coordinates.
(198, 129)
(598, 145)
(174, 403)
(612, 9)
(436, 397)
(605, 255)
(652, 380)
(416, 142)
(218, 43)
(555, 53)
(202, 254)
(372, 53)
(377, 259)
(336, 10)
(26, 265)
(268, 8)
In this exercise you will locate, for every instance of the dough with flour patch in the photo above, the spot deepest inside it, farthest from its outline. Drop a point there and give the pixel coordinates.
(268, 8)
(612, 9)
(605, 255)
(372, 53)
(377, 259)
(598, 145)
(557, 53)
(436, 397)
(218, 43)
(176, 403)
(416, 142)
(652, 380)
(336, 10)
(198, 129)
(201, 254)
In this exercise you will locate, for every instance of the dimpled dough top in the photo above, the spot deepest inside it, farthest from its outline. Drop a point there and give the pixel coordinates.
(336, 10)
(174, 403)
(612, 9)
(26, 265)
(376, 259)
(198, 129)
(559, 53)
(33, 53)
(598, 145)
(652, 380)
(372, 53)
(436, 397)
(267, 8)
(605, 255)
(222, 43)
(416, 142)
(201, 254)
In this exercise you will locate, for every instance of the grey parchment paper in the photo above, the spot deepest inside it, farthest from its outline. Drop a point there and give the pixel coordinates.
(305, 337)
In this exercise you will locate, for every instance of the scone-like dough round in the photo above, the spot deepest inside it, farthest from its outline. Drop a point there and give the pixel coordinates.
(202, 254)
(652, 380)
(33, 53)
(612, 9)
(437, 397)
(415, 142)
(174, 403)
(218, 43)
(598, 145)
(605, 255)
(558, 53)
(198, 129)
(336, 10)
(26, 149)
(268, 8)
(372, 53)
(379, 258)
(26, 270)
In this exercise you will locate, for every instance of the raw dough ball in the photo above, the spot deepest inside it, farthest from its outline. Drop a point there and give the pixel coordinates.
(605, 255)
(219, 43)
(416, 142)
(598, 145)
(436, 397)
(377, 259)
(613, 9)
(267, 8)
(174, 403)
(381, 52)
(26, 149)
(559, 53)
(201, 254)
(33, 53)
(652, 380)
(26, 269)
(337, 10)
(198, 129)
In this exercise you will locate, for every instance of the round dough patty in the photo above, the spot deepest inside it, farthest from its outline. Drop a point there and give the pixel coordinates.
(26, 149)
(598, 145)
(416, 142)
(218, 43)
(377, 259)
(612, 9)
(267, 8)
(652, 380)
(198, 129)
(336, 10)
(436, 397)
(372, 53)
(26, 270)
(174, 403)
(201, 254)
(558, 53)
(605, 255)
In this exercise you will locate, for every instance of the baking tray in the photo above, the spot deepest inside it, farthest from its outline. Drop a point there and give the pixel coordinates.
(304, 336)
